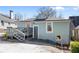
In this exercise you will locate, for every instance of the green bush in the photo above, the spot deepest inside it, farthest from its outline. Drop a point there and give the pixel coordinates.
(5, 36)
(74, 47)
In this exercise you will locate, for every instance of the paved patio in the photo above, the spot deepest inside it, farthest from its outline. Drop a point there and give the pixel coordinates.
(28, 47)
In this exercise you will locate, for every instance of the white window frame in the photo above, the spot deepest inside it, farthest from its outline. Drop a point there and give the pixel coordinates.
(47, 27)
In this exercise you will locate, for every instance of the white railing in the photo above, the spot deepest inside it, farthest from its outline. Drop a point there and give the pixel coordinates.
(16, 33)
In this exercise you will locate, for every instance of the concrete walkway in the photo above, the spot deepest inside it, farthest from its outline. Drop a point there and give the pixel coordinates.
(27, 47)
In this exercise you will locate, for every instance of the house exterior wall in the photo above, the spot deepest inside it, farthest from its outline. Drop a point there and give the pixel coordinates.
(59, 28)
(75, 20)
(63, 29)
(4, 23)
(4, 27)
(7, 25)
(76, 34)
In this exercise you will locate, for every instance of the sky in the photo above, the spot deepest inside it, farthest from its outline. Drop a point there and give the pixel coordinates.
(39, 2)
(31, 11)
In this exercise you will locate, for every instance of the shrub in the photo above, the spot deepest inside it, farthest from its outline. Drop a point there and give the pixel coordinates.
(74, 47)
(5, 36)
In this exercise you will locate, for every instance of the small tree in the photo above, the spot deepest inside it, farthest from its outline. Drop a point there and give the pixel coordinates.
(46, 12)
(60, 16)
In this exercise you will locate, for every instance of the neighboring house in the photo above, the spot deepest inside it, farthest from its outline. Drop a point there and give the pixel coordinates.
(5, 22)
(76, 33)
(48, 29)
(23, 24)
(75, 20)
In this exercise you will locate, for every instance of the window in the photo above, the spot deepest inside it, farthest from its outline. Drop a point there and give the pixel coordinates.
(49, 27)
(2, 22)
(9, 23)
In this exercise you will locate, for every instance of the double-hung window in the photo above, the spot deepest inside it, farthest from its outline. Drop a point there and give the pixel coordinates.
(49, 27)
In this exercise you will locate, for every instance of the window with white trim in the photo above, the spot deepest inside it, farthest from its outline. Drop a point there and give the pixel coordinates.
(2, 23)
(49, 26)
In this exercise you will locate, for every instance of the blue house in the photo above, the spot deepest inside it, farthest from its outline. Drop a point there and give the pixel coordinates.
(49, 29)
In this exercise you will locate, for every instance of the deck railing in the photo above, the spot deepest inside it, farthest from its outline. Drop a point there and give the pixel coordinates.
(16, 33)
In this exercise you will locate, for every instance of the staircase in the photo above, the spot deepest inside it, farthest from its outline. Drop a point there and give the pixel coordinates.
(16, 33)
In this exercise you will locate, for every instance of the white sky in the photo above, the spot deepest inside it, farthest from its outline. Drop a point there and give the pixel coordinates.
(40, 2)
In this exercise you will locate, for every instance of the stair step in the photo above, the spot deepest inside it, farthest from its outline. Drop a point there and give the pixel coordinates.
(17, 33)
(19, 38)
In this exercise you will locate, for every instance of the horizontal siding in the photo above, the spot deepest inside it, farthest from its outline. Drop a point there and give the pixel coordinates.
(62, 28)
(59, 28)
(42, 32)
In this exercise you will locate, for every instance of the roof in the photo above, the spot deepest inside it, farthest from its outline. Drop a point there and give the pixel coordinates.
(27, 20)
(75, 20)
(39, 20)
(43, 19)
(73, 16)
(52, 19)
(56, 20)
(5, 18)
(77, 27)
